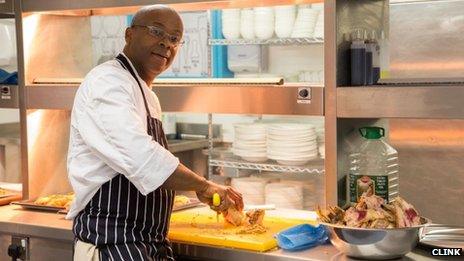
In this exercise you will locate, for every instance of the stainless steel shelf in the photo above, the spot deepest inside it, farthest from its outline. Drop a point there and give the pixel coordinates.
(401, 101)
(275, 41)
(202, 98)
(59, 5)
(6, 16)
(227, 159)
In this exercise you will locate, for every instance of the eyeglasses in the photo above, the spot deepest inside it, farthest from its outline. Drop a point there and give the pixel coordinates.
(160, 33)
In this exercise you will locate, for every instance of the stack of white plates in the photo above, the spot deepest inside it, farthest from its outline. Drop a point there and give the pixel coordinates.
(321, 141)
(284, 19)
(305, 22)
(231, 23)
(252, 189)
(284, 195)
(292, 143)
(250, 142)
(310, 192)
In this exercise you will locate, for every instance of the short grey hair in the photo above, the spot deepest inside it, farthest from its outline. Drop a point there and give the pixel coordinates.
(142, 12)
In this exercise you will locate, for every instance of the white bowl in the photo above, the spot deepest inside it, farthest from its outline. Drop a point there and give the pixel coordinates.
(247, 23)
(265, 33)
(284, 30)
(231, 23)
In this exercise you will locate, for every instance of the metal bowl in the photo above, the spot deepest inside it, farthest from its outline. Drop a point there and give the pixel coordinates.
(372, 243)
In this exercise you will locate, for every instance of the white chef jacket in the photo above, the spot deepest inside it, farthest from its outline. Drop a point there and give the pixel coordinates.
(109, 135)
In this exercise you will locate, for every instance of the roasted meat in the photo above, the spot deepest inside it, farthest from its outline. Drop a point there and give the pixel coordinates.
(233, 216)
(250, 222)
(372, 212)
(406, 214)
(254, 216)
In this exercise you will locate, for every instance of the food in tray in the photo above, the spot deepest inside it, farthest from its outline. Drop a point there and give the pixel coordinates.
(56, 200)
(250, 222)
(371, 211)
(4, 192)
(181, 200)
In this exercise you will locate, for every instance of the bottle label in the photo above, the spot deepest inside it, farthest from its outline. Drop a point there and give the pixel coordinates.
(358, 184)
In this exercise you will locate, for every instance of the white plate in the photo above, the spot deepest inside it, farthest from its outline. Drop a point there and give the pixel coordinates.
(290, 150)
(296, 159)
(291, 134)
(243, 146)
(292, 162)
(250, 153)
(291, 126)
(254, 159)
(292, 146)
(296, 155)
(250, 142)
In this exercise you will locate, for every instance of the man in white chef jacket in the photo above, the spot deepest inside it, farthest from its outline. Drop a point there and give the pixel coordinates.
(123, 176)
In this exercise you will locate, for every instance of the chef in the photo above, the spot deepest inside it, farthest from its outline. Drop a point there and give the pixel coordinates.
(122, 173)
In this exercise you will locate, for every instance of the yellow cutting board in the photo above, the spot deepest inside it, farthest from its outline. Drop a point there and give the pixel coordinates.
(199, 225)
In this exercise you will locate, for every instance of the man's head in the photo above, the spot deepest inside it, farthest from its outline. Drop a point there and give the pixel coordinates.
(152, 49)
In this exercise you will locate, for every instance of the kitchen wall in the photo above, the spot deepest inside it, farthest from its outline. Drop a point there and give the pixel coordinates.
(425, 42)
(427, 39)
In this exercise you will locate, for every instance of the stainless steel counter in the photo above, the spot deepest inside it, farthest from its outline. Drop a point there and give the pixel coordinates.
(16, 221)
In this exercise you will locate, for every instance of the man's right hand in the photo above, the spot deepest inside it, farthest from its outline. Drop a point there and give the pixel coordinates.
(229, 196)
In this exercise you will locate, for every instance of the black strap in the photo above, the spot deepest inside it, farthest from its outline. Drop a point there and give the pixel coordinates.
(126, 65)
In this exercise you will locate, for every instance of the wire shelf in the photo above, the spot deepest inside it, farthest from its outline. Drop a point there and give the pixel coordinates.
(227, 159)
(274, 41)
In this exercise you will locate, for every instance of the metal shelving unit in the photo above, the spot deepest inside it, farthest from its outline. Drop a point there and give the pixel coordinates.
(227, 159)
(274, 41)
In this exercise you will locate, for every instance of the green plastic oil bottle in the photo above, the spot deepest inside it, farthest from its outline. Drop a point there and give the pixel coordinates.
(373, 167)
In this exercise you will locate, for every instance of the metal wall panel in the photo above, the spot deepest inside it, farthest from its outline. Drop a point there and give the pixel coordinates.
(431, 168)
(430, 102)
(427, 39)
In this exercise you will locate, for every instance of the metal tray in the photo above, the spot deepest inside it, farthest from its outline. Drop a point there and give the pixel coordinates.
(9, 194)
(4, 193)
(29, 204)
(442, 236)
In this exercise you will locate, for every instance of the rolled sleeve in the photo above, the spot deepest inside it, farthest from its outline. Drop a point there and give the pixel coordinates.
(115, 131)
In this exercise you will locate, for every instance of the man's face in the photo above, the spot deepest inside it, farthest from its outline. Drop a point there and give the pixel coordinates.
(154, 54)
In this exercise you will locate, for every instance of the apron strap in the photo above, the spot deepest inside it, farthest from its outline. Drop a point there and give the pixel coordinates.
(126, 65)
